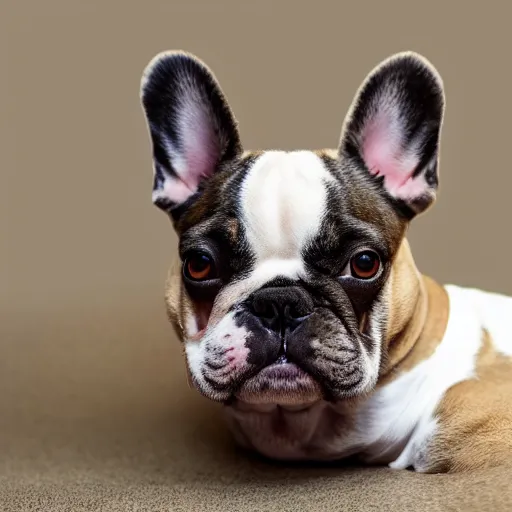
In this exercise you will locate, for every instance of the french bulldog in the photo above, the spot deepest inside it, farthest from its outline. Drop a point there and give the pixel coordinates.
(295, 295)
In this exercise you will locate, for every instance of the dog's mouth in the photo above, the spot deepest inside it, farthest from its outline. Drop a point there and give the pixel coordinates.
(282, 382)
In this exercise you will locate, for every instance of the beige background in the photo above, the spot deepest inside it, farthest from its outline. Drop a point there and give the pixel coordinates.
(87, 360)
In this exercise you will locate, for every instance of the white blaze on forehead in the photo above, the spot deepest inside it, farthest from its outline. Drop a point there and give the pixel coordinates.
(283, 202)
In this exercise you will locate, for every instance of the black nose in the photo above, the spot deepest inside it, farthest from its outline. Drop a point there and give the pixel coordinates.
(281, 309)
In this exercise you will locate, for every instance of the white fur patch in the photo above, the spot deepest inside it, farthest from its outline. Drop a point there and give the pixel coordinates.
(224, 346)
(283, 202)
(494, 311)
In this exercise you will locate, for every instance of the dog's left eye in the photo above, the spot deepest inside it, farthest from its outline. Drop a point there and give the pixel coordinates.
(199, 267)
(365, 265)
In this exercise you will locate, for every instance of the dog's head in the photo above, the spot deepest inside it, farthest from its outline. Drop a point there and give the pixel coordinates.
(282, 290)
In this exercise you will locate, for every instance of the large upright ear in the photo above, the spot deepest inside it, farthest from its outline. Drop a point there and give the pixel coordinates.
(392, 131)
(191, 127)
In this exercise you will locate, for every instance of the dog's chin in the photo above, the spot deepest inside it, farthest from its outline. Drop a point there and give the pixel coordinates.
(281, 383)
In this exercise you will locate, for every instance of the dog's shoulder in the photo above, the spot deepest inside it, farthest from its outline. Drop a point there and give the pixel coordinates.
(475, 416)
(467, 386)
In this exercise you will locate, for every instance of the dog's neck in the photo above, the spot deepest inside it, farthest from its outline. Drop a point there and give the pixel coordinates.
(418, 316)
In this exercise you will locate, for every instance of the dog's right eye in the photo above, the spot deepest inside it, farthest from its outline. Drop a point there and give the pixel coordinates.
(199, 267)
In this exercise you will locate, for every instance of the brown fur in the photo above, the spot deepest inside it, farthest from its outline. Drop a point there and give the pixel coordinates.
(177, 302)
(418, 316)
(475, 417)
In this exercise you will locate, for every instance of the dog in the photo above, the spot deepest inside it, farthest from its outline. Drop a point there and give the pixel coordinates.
(295, 294)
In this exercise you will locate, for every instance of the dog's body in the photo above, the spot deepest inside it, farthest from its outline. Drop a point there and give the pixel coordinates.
(296, 296)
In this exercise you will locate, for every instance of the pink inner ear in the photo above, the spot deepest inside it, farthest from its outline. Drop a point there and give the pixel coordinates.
(195, 159)
(201, 151)
(384, 155)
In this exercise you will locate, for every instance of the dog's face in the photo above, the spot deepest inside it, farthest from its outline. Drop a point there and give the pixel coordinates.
(282, 289)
